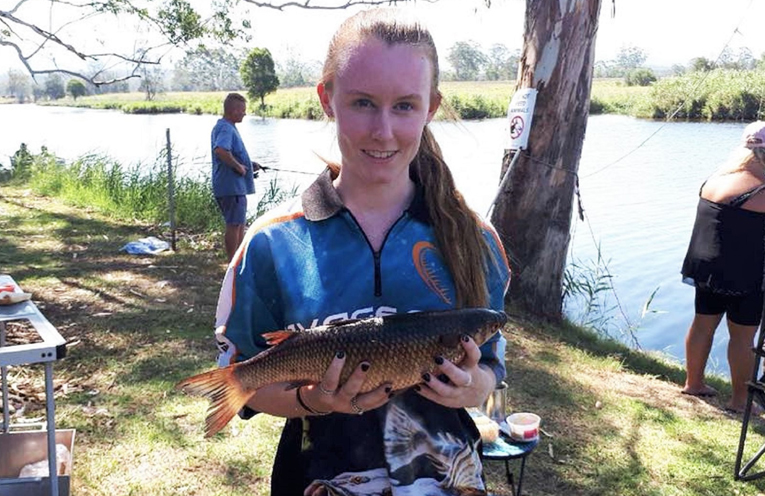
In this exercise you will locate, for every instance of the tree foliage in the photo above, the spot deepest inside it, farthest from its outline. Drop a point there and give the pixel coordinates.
(18, 85)
(258, 74)
(641, 76)
(76, 88)
(631, 57)
(208, 69)
(501, 64)
(44, 44)
(293, 71)
(701, 64)
(467, 60)
(42, 34)
(54, 87)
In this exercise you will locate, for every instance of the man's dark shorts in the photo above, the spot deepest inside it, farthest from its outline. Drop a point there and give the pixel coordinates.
(233, 208)
(743, 310)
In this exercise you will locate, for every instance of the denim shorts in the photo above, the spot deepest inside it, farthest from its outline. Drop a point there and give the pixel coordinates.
(233, 208)
(743, 309)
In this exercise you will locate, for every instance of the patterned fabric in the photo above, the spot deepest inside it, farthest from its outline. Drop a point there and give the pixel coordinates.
(308, 263)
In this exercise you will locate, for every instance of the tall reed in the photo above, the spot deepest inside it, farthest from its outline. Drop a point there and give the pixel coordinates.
(135, 192)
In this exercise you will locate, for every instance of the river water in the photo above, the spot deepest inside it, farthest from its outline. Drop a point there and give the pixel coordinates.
(639, 183)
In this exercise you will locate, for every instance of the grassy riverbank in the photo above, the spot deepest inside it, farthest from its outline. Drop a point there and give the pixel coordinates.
(613, 420)
(468, 100)
(716, 95)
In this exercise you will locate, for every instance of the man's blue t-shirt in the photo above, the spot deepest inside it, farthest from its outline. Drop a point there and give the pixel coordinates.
(225, 181)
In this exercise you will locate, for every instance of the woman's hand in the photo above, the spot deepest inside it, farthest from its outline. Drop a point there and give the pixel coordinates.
(469, 384)
(331, 396)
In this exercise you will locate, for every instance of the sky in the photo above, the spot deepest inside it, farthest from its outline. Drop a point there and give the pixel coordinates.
(669, 31)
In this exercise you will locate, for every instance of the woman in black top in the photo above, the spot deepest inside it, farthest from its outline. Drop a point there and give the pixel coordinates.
(725, 264)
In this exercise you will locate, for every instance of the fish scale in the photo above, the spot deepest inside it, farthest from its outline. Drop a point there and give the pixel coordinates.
(399, 348)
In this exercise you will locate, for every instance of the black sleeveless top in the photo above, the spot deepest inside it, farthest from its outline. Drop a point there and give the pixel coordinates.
(726, 253)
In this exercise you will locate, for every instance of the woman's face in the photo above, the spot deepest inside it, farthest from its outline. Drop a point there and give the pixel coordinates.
(381, 101)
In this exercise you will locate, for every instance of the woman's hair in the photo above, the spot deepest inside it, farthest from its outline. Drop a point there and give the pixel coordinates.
(742, 159)
(457, 228)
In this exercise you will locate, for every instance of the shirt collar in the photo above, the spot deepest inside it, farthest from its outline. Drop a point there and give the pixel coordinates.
(321, 201)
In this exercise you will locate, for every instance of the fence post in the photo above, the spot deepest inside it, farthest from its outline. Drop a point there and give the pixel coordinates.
(170, 189)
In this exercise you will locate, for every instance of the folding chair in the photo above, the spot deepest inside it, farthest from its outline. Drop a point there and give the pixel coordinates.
(756, 394)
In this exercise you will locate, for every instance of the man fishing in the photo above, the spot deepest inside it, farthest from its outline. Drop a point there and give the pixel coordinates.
(232, 171)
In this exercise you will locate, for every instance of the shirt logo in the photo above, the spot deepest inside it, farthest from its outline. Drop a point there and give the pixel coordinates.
(427, 261)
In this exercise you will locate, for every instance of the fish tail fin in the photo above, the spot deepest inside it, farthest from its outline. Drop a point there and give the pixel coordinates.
(225, 393)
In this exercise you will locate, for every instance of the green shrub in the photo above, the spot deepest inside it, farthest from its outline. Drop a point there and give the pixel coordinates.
(640, 76)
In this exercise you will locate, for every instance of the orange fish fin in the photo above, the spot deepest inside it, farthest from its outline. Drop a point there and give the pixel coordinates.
(223, 390)
(277, 337)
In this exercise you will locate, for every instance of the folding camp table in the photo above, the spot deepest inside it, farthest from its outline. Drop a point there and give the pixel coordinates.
(14, 444)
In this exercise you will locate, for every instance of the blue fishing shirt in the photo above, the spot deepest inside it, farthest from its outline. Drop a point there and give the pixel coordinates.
(308, 263)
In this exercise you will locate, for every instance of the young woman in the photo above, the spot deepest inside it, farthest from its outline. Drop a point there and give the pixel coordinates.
(725, 264)
(383, 231)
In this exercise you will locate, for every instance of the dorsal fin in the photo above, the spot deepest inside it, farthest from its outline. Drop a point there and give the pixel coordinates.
(277, 337)
(342, 322)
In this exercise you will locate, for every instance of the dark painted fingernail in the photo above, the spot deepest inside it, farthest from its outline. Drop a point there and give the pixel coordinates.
(364, 367)
(340, 354)
(466, 338)
(388, 389)
(439, 360)
(417, 388)
(426, 377)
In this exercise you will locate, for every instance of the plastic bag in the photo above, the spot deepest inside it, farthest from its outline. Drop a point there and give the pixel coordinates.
(40, 469)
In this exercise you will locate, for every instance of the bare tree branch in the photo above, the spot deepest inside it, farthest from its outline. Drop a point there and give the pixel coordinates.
(170, 24)
(41, 32)
(307, 4)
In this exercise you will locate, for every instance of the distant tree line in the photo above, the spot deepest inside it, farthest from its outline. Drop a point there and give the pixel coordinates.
(206, 68)
(469, 62)
(629, 64)
(22, 88)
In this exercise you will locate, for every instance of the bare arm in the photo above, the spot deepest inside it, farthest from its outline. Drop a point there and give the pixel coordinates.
(227, 158)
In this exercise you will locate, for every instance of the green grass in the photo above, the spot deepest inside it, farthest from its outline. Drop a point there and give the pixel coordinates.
(135, 192)
(718, 95)
(614, 422)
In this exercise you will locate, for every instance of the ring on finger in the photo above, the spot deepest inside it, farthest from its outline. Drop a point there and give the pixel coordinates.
(325, 390)
(355, 406)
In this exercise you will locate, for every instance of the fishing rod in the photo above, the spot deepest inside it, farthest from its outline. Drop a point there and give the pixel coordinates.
(269, 169)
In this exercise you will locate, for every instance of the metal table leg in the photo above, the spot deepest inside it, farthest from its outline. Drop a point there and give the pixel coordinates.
(50, 415)
(516, 490)
(520, 476)
(4, 382)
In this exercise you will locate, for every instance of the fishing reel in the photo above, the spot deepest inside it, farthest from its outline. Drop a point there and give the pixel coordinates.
(256, 168)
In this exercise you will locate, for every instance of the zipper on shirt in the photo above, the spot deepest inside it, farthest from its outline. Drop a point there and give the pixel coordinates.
(377, 255)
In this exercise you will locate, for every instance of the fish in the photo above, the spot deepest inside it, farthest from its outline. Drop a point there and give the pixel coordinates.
(400, 348)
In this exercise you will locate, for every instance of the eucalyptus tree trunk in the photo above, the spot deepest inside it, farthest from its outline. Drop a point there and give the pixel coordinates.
(533, 212)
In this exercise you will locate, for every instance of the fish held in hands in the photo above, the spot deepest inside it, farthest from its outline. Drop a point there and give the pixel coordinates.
(400, 348)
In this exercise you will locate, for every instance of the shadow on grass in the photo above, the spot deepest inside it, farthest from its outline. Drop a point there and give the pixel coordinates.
(594, 452)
